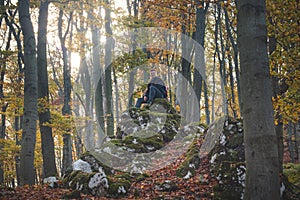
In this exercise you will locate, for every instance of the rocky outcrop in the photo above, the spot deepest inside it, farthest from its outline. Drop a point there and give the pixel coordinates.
(109, 170)
(228, 161)
(147, 139)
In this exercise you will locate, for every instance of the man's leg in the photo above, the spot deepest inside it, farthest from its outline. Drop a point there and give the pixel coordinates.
(154, 93)
(139, 102)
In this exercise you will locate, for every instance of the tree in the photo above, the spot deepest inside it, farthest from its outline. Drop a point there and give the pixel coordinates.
(27, 172)
(66, 110)
(199, 55)
(108, 80)
(283, 31)
(262, 175)
(43, 93)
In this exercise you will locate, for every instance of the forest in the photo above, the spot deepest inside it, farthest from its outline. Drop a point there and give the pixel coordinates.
(72, 71)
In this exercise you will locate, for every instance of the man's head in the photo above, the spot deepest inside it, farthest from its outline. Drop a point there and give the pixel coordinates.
(152, 73)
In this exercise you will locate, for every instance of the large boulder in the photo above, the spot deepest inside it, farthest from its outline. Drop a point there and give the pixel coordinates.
(90, 176)
(228, 161)
(160, 117)
(222, 145)
(108, 170)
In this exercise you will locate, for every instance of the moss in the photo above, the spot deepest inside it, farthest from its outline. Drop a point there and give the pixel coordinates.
(157, 103)
(223, 194)
(235, 141)
(78, 180)
(292, 191)
(168, 133)
(155, 141)
(145, 133)
(116, 142)
(118, 187)
(134, 112)
(72, 195)
(91, 158)
(292, 171)
(141, 144)
(141, 177)
(191, 162)
(229, 165)
(124, 175)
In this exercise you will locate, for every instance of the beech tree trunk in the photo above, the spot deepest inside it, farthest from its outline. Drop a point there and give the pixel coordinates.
(97, 80)
(235, 56)
(49, 165)
(261, 152)
(2, 130)
(66, 110)
(108, 80)
(199, 54)
(27, 170)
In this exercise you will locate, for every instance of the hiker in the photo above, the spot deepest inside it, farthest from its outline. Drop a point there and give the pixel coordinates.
(155, 89)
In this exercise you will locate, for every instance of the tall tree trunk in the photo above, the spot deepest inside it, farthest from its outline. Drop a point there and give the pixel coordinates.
(49, 165)
(232, 91)
(66, 110)
(132, 72)
(235, 56)
(199, 53)
(221, 58)
(207, 113)
(17, 127)
(2, 136)
(290, 141)
(100, 109)
(185, 72)
(297, 141)
(97, 81)
(86, 81)
(108, 80)
(131, 87)
(4, 105)
(261, 152)
(277, 91)
(213, 89)
(27, 172)
(117, 94)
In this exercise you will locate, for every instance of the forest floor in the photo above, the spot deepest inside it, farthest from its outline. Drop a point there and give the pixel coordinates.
(161, 184)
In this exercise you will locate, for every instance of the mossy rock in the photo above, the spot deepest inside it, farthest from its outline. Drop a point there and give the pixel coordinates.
(228, 161)
(292, 190)
(142, 144)
(118, 187)
(190, 164)
(292, 171)
(161, 104)
(168, 132)
(155, 117)
(79, 181)
(134, 121)
(95, 163)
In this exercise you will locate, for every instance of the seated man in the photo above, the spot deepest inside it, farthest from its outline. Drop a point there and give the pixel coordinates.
(155, 89)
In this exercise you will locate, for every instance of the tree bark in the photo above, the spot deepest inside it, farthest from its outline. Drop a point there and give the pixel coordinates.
(261, 152)
(66, 110)
(221, 58)
(235, 56)
(27, 172)
(108, 80)
(278, 117)
(199, 53)
(48, 153)
(4, 105)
